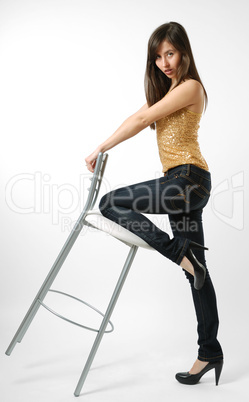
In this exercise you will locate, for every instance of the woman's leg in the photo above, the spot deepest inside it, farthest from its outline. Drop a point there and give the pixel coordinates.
(126, 206)
(182, 194)
(190, 226)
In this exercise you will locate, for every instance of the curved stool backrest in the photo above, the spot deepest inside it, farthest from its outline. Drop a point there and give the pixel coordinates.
(96, 180)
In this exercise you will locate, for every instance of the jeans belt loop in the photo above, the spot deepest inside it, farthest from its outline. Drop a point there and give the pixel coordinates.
(188, 170)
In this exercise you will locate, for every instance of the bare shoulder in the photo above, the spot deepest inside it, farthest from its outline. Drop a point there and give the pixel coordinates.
(190, 89)
(188, 94)
(194, 86)
(196, 93)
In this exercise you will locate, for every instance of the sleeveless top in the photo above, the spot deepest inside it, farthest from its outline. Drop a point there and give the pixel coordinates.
(177, 139)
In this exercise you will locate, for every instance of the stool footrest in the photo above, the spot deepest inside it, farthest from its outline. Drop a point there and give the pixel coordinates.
(74, 322)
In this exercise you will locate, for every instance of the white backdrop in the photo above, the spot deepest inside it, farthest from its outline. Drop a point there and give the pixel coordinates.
(70, 72)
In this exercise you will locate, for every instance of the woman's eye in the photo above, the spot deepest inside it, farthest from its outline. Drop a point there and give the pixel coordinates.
(170, 54)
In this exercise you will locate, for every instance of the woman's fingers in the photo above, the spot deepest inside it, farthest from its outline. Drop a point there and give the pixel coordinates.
(90, 166)
(91, 162)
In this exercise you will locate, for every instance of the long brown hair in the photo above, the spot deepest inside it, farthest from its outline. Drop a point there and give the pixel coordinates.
(157, 84)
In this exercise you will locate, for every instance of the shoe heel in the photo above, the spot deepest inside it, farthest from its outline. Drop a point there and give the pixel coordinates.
(218, 369)
(197, 246)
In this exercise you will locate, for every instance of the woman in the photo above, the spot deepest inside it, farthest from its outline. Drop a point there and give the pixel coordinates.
(175, 101)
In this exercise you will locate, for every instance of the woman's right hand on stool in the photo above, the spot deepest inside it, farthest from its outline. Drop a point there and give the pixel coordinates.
(91, 160)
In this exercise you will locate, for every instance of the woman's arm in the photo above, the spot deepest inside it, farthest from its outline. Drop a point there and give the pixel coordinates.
(182, 96)
(121, 134)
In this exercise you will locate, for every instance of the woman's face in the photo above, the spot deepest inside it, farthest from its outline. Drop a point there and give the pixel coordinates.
(168, 59)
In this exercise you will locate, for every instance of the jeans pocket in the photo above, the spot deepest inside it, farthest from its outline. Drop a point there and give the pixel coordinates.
(200, 185)
(180, 202)
(196, 192)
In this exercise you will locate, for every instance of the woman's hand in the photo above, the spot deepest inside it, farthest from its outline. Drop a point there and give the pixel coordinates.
(91, 160)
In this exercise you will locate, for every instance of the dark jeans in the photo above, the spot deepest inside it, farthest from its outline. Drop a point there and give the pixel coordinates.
(181, 193)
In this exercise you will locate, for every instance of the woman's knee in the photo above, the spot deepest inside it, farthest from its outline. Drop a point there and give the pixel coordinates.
(103, 204)
(107, 201)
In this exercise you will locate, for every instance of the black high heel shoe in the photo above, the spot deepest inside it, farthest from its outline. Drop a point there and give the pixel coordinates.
(199, 269)
(192, 379)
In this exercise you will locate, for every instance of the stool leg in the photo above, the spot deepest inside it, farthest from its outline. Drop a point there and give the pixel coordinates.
(47, 283)
(110, 308)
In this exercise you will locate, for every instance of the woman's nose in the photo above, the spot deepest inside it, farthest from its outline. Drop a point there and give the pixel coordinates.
(165, 62)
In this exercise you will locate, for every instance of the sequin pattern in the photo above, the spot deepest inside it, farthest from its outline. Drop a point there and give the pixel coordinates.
(177, 139)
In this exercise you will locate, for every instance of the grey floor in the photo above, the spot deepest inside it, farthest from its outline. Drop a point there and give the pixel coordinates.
(130, 365)
(155, 334)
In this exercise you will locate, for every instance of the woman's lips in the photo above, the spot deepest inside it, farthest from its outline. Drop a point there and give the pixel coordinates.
(168, 71)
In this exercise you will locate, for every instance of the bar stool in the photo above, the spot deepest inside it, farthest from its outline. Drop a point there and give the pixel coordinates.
(94, 219)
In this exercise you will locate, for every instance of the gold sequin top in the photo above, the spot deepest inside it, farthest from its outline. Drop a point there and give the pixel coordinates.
(177, 139)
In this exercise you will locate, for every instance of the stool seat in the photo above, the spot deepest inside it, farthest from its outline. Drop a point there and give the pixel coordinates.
(96, 219)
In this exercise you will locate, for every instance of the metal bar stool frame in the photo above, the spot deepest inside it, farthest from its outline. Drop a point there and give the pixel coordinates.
(46, 286)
